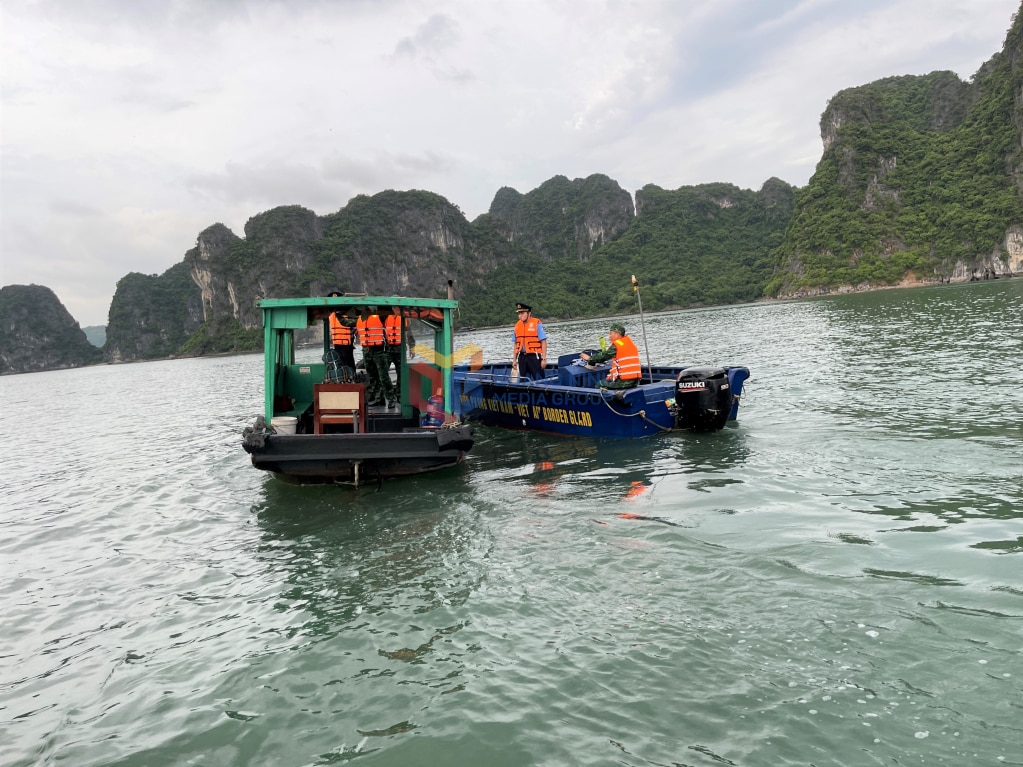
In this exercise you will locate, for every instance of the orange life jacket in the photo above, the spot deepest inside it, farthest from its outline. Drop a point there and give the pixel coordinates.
(423, 313)
(392, 328)
(626, 365)
(527, 337)
(371, 331)
(340, 335)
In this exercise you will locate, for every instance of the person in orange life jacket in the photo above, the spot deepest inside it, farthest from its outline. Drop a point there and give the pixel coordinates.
(394, 323)
(529, 354)
(342, 334)
(373, 339)
(625, 368)
(372, 386)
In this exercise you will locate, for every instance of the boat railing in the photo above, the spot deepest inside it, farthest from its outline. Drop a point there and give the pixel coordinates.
(505, 376)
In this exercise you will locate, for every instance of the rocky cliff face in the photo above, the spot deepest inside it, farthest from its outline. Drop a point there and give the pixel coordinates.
(151, 316)
(564, 218)
(392, 243)
(207, 263)
(38, 333)
(1006, 261)
(402, 243)
(921, 181)
(941, 103)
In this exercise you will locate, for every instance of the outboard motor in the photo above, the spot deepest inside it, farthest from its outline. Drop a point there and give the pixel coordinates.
(703, 399)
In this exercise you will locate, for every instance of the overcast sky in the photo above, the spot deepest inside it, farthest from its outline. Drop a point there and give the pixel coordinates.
(129, 126)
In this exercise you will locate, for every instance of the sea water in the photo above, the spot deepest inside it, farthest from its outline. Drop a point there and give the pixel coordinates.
(835, 579)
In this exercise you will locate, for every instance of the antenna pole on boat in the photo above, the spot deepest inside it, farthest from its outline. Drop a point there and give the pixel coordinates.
(642, 325)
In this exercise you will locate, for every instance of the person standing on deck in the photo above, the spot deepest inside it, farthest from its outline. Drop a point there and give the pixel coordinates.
(626, 369)
(372, 387)
(396, 326)
(374, 355)
(342, 336)
(373, 338)
(529, 354)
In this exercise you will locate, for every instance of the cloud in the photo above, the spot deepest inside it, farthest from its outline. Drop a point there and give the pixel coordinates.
(324, 187)
(435, 35)
(73, 208)
(130, 127)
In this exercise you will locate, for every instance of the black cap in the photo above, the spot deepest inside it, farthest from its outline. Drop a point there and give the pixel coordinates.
(334, 294)
(521, 307)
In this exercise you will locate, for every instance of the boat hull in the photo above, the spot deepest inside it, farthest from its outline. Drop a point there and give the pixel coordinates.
(359, 458)
(494, 396)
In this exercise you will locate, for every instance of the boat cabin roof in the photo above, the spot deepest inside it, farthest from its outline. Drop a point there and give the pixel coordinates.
(285, 313)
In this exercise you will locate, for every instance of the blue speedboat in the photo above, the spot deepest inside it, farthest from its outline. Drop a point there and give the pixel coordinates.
(569, 401)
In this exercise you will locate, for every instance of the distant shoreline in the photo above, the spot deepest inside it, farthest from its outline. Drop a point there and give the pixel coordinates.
(846, 290)
(843, 291)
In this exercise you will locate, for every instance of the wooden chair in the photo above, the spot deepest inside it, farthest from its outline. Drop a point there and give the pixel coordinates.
(339, 404)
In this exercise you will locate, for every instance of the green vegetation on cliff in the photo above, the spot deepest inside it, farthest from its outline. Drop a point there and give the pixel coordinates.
(222, 337)
(38, 333)
(709, 244)
(921, 175)
(152, 316)
(562, 218)
(385, 234)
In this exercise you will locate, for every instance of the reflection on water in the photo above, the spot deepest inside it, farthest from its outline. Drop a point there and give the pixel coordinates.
(581, 465)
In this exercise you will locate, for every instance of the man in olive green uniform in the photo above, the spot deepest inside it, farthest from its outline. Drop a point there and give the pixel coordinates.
(396, 327)
(374, 350)
(626, 370)
(372, 338)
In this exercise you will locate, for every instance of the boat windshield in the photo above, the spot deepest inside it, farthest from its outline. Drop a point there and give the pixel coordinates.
(429, 368)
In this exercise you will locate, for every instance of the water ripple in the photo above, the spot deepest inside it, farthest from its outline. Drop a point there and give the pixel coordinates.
(836, 574)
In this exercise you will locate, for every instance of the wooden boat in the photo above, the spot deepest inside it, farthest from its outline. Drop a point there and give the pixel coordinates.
(317, 424)
(569, 401)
